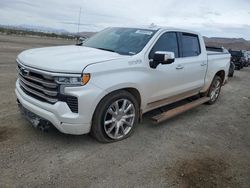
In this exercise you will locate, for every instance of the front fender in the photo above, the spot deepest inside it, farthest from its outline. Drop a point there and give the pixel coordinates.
(112, 76)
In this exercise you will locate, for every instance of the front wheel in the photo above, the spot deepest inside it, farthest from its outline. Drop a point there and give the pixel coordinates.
(115, 117)
(214, 90)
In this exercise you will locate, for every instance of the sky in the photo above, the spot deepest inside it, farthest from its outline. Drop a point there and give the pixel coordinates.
(213, 18)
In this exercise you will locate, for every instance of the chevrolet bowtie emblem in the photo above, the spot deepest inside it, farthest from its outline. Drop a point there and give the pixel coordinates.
(25, 72)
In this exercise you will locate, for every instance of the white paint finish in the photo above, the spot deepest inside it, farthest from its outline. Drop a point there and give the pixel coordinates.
(65, 59)
(110, 71)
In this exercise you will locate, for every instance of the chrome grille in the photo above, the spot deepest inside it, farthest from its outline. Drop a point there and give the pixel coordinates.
(40, 86)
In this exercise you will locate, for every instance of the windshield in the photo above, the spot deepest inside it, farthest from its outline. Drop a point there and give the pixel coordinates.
(125, 41)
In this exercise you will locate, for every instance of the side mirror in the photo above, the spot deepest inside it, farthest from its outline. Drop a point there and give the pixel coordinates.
(162, 57)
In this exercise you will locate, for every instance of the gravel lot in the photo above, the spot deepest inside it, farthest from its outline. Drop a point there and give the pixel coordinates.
(208, 146)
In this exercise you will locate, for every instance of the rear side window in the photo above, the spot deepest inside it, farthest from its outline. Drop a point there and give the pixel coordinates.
(190, 45)
(167, 42)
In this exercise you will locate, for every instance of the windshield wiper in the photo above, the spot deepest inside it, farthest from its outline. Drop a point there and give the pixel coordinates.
(106, 49)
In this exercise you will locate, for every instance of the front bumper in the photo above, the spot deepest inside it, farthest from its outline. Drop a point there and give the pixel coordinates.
(59, 113)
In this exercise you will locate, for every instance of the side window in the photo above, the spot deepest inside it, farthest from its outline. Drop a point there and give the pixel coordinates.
(190, 45)
(167, 42)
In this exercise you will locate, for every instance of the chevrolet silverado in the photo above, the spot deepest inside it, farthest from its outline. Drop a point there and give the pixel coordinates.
(106, 84)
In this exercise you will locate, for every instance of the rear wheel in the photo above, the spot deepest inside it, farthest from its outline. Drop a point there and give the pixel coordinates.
(231, 74)
(115, 117)
(214, 90)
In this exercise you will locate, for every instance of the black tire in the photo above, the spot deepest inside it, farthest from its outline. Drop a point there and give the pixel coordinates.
(231, 74)
(212, 88)
(98, 130)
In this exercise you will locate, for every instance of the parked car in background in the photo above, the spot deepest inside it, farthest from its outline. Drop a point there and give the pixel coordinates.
(237, 57)
(81, 40)
(246, 58)
(105, 85)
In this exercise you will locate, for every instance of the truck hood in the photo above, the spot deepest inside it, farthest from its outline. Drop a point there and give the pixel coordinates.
(65, 59)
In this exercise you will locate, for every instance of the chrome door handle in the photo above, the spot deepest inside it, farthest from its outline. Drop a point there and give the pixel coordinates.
(179, 67)
(203, 64)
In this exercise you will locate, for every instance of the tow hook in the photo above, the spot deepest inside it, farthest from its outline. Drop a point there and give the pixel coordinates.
(44, 127)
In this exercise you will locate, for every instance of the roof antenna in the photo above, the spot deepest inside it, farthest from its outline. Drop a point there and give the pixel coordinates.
(79, 20)
(152, 25)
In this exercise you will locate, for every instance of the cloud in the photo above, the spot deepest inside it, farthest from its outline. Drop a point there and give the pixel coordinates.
(211, 18)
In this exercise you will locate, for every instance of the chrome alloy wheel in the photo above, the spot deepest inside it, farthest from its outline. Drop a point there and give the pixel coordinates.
(119, 119)
(215, 90)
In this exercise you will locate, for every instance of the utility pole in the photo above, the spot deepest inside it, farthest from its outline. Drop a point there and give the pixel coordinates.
(79, 21)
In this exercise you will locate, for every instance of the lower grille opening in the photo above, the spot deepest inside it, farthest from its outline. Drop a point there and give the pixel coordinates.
(72, 103)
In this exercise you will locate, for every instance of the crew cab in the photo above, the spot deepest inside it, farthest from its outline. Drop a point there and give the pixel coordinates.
(105, 85)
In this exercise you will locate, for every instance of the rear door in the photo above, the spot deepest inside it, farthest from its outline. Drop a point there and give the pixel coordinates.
(192, 61)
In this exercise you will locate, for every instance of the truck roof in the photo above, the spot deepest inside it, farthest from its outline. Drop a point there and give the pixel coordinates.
(156, 27)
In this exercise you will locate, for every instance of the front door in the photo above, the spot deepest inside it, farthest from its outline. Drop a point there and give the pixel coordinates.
(166, 79)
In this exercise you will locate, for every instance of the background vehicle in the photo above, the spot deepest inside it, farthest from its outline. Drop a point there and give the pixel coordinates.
(246, 58)
(105, 85)
(237, 58)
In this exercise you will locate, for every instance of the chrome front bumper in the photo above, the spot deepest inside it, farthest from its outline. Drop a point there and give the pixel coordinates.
(38, 112)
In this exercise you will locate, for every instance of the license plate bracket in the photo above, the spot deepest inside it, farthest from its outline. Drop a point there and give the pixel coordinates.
(35, 120)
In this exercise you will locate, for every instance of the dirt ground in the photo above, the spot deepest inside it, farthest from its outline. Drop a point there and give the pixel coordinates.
(208, 146)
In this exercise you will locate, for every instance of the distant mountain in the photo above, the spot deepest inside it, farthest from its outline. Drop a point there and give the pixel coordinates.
(43, 29)
(229, 43)
(35, 28)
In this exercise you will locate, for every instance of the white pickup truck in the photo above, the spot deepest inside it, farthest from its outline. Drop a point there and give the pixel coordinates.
(106, 84)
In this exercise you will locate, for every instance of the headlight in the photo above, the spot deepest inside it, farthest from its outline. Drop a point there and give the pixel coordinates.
(68, 80)
(73, 81)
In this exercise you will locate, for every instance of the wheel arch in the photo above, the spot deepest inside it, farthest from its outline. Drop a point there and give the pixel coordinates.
(132, 90)
(221, 74)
